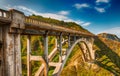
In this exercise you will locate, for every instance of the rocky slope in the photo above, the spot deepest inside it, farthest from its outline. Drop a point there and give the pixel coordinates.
(109, 36)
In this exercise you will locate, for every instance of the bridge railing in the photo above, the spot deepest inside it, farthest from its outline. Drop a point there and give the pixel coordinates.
(4, 14)
(34, 21)
(42, 25)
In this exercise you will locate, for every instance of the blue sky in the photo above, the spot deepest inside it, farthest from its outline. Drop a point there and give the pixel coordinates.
(95, 15)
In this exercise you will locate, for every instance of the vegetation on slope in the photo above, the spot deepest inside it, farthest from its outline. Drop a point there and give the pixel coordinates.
(106, 56)
(71, 25)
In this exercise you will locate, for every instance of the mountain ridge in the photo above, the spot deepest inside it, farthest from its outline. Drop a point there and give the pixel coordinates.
(109, 36)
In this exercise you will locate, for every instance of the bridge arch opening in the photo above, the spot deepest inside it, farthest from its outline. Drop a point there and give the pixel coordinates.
(84, 50)
(84, 47)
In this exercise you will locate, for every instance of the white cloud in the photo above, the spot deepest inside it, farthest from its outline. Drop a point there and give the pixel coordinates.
(79, 6)
(102, 1)
(61, 15)
(86, 24)
(115, 30)
(63, 12)
(29, 11)
(101, 10)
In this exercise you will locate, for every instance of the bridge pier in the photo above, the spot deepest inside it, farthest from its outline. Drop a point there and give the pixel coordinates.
(1, 53)
(11, 46)
(90, 42)
(28, 55)
(45, 56)
(12, 53)
(60, 47)
(74, 38)
(69, 41)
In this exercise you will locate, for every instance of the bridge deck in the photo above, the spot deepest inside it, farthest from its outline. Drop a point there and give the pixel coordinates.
(34, 26)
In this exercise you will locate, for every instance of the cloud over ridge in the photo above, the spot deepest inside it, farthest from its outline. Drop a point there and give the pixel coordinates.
(61, 15)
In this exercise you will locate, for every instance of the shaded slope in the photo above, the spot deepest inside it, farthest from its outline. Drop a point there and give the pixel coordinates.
(106, 57)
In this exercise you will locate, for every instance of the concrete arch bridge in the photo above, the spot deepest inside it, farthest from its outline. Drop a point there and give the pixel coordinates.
(14, 24)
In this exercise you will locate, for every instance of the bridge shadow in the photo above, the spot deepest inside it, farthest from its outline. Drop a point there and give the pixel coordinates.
(107, 58)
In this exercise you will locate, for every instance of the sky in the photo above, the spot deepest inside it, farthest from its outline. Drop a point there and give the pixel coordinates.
(97, 16)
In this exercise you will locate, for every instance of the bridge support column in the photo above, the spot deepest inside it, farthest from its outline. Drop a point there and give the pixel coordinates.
(90, 44)
(28, 56)
(60, 47)
(1, 54)
(69, 45)
(12, 45)
(46, 53)
(74, 38)
(12, 53)
(69, 41)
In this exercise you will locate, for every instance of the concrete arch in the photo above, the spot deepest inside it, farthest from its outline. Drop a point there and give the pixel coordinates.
(88, 49)
(72, 47)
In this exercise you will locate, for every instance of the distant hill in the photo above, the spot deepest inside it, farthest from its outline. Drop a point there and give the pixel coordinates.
(109, 36)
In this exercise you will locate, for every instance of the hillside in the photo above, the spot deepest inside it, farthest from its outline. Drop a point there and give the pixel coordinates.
(112, 42)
